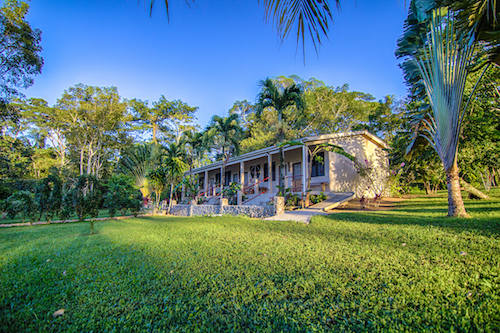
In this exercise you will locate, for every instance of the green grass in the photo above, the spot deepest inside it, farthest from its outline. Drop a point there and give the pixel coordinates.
(406, 269)
(18, 219)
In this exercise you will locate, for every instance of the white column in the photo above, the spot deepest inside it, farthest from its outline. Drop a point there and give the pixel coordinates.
(221, 182)
(242, 182)
(269, 172)
(205, 183)
(304, 169)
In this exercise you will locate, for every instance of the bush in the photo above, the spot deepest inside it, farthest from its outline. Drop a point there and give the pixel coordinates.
(121, 196)
(316, 198)
(21, 202)
(48, 196)
(67, 208)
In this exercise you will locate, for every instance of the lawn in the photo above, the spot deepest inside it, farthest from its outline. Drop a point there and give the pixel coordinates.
(405, 269)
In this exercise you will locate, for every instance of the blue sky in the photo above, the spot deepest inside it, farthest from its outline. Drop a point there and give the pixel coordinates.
(211, 53)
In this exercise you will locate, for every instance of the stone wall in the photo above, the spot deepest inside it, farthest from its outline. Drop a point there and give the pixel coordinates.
(200, 210)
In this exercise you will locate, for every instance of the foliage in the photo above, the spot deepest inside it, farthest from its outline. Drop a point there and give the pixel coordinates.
(231, 191)
(86, 198)
(94, 119)
(138, 161)
(226, 133)
(309, 18)
(48, 196)
(287, 101)
(121, 195)
(23, 203)
(157, 179)
(317, 198)
(406, 270)
(20, 50)
(15, 158)
(165, 118)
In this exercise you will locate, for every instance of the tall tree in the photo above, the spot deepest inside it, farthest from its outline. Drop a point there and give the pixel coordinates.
(163, 118)
(227, 134)
(94, 119)
(20, 49)
(174, 162)
(441, 66)
(280, 99)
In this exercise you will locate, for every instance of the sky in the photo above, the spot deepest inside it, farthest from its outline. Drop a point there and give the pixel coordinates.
(210, 53)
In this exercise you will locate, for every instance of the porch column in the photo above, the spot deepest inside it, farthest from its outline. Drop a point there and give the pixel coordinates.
(205, 183)
(304, 169)
(221, 182)
(242, 182)
(270, 173)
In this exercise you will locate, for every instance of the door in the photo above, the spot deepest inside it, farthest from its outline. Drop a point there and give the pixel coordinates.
(297, 177)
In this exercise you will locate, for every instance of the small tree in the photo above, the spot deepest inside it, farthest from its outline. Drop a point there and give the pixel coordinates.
(86, 198)
(121, 195)
(157, 181)
(22, 202)
(48, 196)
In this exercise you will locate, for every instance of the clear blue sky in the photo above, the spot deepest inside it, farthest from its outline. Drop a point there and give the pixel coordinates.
(212, 53)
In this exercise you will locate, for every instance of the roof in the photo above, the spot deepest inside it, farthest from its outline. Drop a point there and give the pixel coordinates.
(275, 149)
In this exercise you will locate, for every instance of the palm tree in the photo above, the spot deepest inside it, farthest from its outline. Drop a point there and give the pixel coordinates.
(196, 144)
(227, 133)
(174, 161)
(441, 65)
(280, 99)
(137, 162)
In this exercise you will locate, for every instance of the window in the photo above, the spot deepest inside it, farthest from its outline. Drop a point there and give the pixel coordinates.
(217, 179)
(318, 168)
(273, 171)
(266, 170)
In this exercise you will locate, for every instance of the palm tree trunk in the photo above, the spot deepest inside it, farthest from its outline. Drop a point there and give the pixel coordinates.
(456, 206)
(154, 133)
(170, 200)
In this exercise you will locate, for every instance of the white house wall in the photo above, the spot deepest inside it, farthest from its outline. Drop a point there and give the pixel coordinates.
(343, 174)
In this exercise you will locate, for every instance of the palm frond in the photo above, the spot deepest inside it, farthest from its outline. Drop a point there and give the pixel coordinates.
(443, 68)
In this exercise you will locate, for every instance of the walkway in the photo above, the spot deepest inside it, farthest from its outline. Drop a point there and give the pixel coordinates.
(300, 215)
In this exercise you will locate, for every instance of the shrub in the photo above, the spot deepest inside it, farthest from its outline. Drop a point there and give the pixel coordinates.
(121, 195)
(48, 196)
(67, 208)
(86, 198)
(21, 202)
(316, 198)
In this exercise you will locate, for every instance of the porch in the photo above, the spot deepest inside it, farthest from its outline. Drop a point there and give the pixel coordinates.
(258, 175)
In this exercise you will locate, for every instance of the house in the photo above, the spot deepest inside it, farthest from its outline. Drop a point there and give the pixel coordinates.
(258, 173)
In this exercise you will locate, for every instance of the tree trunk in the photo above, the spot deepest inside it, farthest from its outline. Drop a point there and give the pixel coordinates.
(472, 190)
(456, 206)
(154, 133)
(427, 187)
(170, 200)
